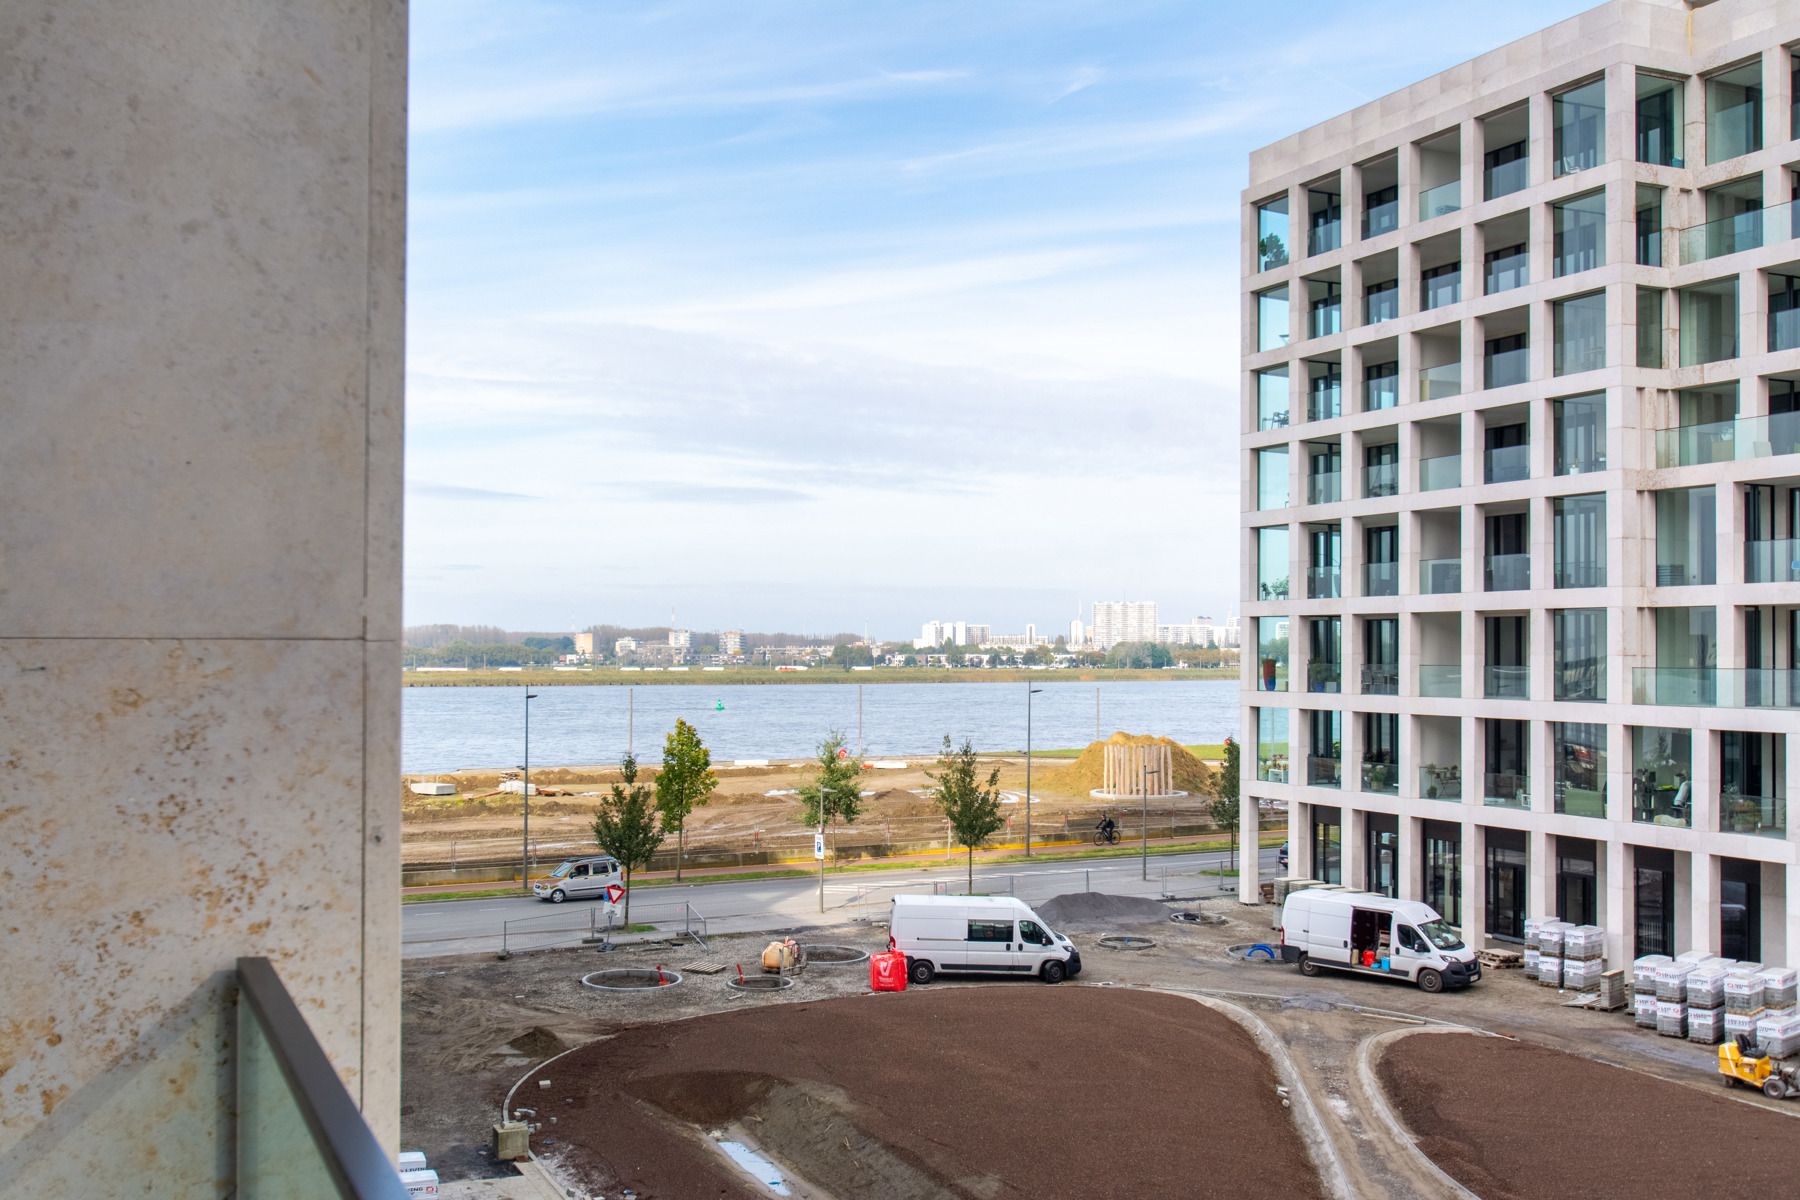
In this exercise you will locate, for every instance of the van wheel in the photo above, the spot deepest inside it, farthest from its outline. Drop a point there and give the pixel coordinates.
(557, 897)
(921, 972)
(1430, 981)
(1053, 972)
(1308, 967)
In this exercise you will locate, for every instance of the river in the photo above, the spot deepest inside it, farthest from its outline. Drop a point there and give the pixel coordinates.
(447, 728)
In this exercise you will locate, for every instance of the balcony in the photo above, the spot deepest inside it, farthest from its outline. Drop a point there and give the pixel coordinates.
(1440, 783)
(1440, 576)
(1667, 802)
(1507, 683)
(1764, 816)
(1728, 441)
(1440, 382)
(1325, 319)
(1436, 474)
(1324, 487)
(1381, 479)
(1716, 687)
(1381, 304)
(1440, 200)
(1383, 777)
(1381, 391)
(1381, 579)
(1324, 583)
(1742, 231)
(1772, 560)
(1323, 772)
(1440, 680)
(1381, 679)
(1508, 464)
(1324, 677)
(1381, 218)
(1324, 236)
(1506, 789)
(1324, 403)
(1508, 572)
(1505, 178)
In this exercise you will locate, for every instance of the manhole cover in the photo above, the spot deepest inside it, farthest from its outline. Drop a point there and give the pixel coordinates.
(1126, 941)
(1196, 917)
(834, 956)
(759, 983)
(631, 979)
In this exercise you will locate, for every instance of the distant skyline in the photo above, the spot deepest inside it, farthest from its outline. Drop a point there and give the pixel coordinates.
(821, 317)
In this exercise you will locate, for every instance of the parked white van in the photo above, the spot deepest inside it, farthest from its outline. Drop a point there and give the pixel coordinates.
(998, 934)
(1374, 934)
(580, 879)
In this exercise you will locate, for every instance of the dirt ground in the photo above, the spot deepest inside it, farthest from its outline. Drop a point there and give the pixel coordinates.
(1511, 1120)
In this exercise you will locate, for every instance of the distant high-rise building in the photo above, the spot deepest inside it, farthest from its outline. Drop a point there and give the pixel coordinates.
(680, 639)
(624, 646)
(1118, 621)
(731, 643)
(958, 633)
(1077, 635)
(584, 644)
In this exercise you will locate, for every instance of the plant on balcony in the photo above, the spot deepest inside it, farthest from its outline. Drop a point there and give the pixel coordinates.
(1741, 815)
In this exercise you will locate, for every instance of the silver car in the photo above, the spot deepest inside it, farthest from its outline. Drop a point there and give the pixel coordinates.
(580, 879)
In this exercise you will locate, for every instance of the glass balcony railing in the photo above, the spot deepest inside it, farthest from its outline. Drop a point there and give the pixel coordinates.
(1506, 789)
(1323, 772)
(1508, 464)
(1741, 231)
(1380, 777)
(1324, 403)
(1323, 320)
(1325, 677)
(1381, 304)
(1382, 479)
(1325, 487)
(1772, 560)
(1716, 687)
(1323, 236)
(1439, 200)
(1436, 474)
(1381, 679)
(1381, 579)
(1507, 272)
(1508, 572)
(1728, 441)
(1381, 391)
(1323, 583)
(1765, 816)
(1504, 368)
(1662, 799)
(1440, 576)
(1440, 680)
(1440, 783)
(1503, 179)
(1381, 218)
(1440, 382)
(1506, 683)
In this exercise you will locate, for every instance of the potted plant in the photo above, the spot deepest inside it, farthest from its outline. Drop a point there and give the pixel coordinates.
(1431, 781)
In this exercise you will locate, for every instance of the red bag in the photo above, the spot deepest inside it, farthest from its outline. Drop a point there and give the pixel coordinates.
(887, 972)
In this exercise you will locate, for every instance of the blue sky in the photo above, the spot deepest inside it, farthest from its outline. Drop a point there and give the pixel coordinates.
(814, 317)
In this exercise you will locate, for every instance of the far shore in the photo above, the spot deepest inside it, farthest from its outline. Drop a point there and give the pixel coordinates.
(614, 677)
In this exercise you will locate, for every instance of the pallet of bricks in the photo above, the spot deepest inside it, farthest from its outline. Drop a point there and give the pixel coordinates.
(1778, 1028)
(1561, 955)
(1544, 951)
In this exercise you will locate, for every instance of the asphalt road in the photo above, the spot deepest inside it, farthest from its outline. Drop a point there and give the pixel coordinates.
(442, 927)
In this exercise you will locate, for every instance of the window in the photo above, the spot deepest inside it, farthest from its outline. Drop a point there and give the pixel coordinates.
(1508, 552)
(1381, 386)
(1577, 879)
(990, 931)
(1507, 676)
(1686, 656)
(1381, 753)
(1734, 112)
(1653, 900)
(1272, 477)
(1580, 434)
(1752, 783)
(1505, 169)
(1579, 649)
(1031, 931)
(1324, 312)
(1323, 580)
(1508, 453)
(1272, 655)
(1580, 332)
(1578, 759)
(1381, 302)
(1504, 361)
(1443, 869)
(1324, 390)
(1272, 398)
(1381, 211)
(1327, 844)
(1709, 331)
(1323, 759)
(1580, 535)
(1578, 124)
(1506, 268)
(1784, 311)
(1659, 106)
(1734, 221)
(1381, 654)
(1323, 225)
(1687, 526)
(1272, 745)
(1508, 776)
(1442, 284)
(1272, 563)
(1271, 234)
(1649, 226)
(1381, 471)
(1662, 772)
(1706, 429)
(1272, 319)
(1650, 327)
(1323, 479)
(1579, 228)
(1325, 660)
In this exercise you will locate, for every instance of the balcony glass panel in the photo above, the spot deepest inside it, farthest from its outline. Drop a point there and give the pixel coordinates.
(1734, 113)
(1662, 772)
(1726, 441)
(1381, 211)
(1717, 687)
(1709, 322)
(1443, 471)
(1324, 229)
(1382, 777)
(1382, 479)
(1506, 683)
(1506, 789)
(1440, 576)
(1381, 302)
(1323, 772)
(1765, 816)
(1508, 572)
(1505, 170)
(1324, 487)
(1322, 583)
(1324, 318)
(1507, 269)
(1506, 362)
(1324, 398)
(1381, 387)
(1784, 311)
(1272, 234)
(1440, 680)
(1440, 382)
(1380, 679)
(1506, 464)
(1440, 783)
(1738, 231)
(1325, 677)
(1442, 285)
(1772, 560)
(1439, 200)
(1272, 399)
(1578, 123)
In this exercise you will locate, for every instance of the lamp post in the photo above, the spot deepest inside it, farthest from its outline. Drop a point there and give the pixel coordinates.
(525, 770)
(1144, 821)
(1029, 693)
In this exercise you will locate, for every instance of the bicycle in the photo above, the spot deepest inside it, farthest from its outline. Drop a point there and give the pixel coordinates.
(1106, 837)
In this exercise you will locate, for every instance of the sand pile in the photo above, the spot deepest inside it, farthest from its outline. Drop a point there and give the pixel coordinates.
(1191, 775)
(1097, 909)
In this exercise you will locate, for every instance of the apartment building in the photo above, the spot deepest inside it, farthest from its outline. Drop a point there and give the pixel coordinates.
(1521, 463)
(1118, 621)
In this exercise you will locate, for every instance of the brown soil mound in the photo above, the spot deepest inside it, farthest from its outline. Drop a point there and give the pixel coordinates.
(1191, 775)
(914, 1095)
(1513, 1121)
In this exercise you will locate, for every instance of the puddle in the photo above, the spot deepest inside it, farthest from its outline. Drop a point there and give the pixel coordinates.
(754, 1165)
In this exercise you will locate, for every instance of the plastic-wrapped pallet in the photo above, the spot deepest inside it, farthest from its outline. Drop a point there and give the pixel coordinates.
(1643, 973)
(1532, 927)
(1779, 1037)
(1550, 971)
(1584, 942)
(1550, 937)
(1532, 953)
(1643, 1010)
(1743, 993)
(1705, 1026)
(1706, 987)
(1671, 981)
(1692, 956)
(1736, 1023)
(1781, 986)
(1583, 974)
(1671, 1018)
(1612, 993)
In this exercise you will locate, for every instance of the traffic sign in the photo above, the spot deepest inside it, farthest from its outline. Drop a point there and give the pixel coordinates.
(819, 846)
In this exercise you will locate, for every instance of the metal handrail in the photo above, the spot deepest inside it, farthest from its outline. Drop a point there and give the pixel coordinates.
(358, 1165)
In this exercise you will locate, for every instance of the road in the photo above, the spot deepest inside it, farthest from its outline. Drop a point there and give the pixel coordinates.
(433, 928)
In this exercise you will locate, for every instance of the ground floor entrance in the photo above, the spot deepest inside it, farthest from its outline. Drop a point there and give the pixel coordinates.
(1442, 865)
(1507, 862)
(1381, 853)
(1328, 844)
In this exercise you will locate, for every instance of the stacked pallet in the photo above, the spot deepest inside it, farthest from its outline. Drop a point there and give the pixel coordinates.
(1534, 949)
(1779, 1036)
(1743, 1001)
(1612, 995)
(1643, 988)
(1550, 952)
(1671, 997)
(1584, 956)
(1706, 1003)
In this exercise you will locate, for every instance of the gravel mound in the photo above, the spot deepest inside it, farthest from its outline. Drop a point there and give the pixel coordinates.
(1087, 909)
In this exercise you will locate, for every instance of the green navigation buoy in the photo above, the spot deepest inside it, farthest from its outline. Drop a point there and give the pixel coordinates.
(718, 706)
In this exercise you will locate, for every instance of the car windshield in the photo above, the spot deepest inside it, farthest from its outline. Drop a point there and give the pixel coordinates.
(562, 871)
(1440, 935)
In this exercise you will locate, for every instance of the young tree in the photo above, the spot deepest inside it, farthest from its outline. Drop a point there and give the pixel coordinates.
(625, 826)
(834, 794)
(970, 805)
(685, 783)
(1224, 806)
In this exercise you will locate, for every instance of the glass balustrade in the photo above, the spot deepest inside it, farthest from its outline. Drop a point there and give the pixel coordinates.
(1436, 474)
(1439, 200)
(1440, 680)
(1741, 231)
(1323, 772)
(1382, 479)
(1440, 382)
(1507, 683)
(1729, 441)
(1508, 572)
(1440, 783)
(1326, 677)
(1440, 576)
(1772, 560)
(1764, 816)
(1383, 777)
(1505, 789)
(1381, 679)
(1381, 579)
(1323, 583)
(1324, 488)
(1508, 464)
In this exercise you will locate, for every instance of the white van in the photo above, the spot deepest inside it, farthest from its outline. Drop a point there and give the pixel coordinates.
(1374, 934)
(998, 934)
(580, 879)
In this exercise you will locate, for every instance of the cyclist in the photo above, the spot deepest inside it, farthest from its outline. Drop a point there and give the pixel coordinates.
(1108, 828)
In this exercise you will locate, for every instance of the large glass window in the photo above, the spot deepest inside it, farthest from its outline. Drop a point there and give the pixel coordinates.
(1507, 454)
(1324, 212)
(1324, 763)
(1505, 169)
(1504, 361)
(1578, 120)
(1579, 226)
(1442, 284)
(1323, 552)
(1580, 434)
(1578, 757)
(1653, 900)
(1442, 864)
(1580, 537)
(1272, 563)
(1687, 648)
(1272, 745)
(1381, 753)
(1327, 844)
(1324, 476)
(1734, 221)
(1687, 531)
(1650, 327)
(1578, 637)
(1272, 477)
(1272, 655)
(1734, 112)
(1325, 659)
(1508, 566)
(1580, 332)
(1272, 398)
(1753, 783)
(1324, 390)
(1506, 268)
(1709, 326)
(1507, 780)
(1662, 774)
(1507, 677)
(1272, 233)
(1272, 319)
(1649, 225)
(1659, 106)
(1381, 385)
(1784, 311)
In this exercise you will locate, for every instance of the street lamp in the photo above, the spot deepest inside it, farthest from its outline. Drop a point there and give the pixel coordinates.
(1144, 822)
(1029, 693)
(525, 769)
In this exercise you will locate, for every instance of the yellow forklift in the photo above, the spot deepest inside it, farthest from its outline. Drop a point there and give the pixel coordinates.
(1743, 1061)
